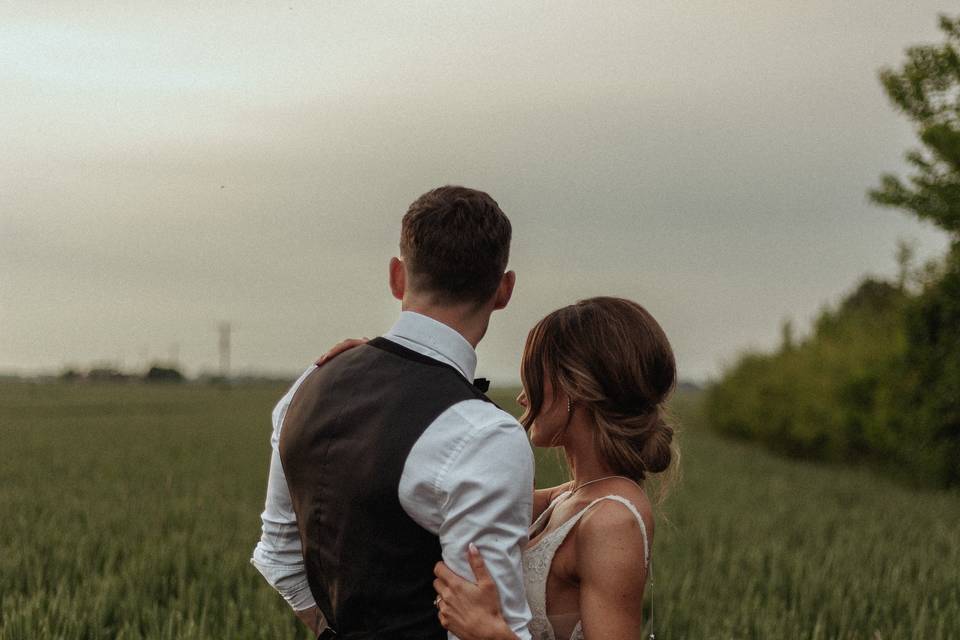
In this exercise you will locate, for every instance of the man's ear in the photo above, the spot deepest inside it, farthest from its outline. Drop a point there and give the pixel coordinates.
(398, 278)
(505, 290)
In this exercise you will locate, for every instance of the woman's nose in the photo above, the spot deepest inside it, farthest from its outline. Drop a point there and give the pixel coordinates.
(522, 400)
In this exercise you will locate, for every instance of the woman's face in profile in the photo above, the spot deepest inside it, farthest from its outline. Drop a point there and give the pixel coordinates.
(547, 429)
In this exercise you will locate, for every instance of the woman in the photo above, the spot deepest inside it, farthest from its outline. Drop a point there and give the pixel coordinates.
(595, 378)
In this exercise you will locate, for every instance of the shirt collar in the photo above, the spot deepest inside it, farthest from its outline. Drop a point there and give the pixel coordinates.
(439, 341)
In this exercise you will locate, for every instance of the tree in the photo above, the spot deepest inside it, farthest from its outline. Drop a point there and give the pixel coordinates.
(158, 373)
(923, 401)
(878, 379)
(927, 89)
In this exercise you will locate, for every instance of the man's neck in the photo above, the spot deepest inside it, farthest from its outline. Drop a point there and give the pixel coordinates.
(472, 326)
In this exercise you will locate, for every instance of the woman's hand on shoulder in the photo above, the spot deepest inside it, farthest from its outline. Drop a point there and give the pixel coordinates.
(560, 488)
(340, 347)
(470, 611)
(543, 497)
(612, 571)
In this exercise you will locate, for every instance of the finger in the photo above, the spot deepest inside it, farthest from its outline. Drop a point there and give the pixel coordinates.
(443, 572)
(484, 579)
(343, 345)
(340, 347)
(478, 565)
(442, 588)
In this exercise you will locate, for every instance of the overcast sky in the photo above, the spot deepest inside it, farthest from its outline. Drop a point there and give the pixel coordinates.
(166, 166)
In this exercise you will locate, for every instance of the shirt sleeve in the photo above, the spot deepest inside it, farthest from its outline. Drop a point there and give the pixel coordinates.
(483, 493)
(278, 555)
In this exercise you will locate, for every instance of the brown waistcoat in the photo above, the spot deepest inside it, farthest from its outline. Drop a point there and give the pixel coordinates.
(344, 441)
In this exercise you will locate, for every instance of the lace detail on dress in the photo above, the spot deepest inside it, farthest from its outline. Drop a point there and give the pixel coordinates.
(538, 557)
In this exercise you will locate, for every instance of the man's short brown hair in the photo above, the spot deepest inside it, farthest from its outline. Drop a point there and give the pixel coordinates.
(456, 243)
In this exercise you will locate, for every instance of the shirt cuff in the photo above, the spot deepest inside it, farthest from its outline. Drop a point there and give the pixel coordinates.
(290, 583)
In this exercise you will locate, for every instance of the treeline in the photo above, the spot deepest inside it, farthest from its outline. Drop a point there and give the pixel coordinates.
(878, 378)
(155, 373)
(877, 381)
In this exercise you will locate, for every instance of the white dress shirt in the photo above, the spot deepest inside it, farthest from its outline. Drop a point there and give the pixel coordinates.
(468, 478)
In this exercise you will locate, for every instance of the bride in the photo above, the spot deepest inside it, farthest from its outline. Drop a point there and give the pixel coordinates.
(595, 376)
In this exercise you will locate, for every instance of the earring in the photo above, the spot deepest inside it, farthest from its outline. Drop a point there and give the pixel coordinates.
(568, 405)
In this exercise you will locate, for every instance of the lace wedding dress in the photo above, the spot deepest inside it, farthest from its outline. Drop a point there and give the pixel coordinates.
(538, 557)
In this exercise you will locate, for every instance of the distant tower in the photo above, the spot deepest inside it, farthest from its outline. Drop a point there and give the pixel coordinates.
(225, 329)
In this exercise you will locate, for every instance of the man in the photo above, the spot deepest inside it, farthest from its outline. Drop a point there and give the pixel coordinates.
(387, 460)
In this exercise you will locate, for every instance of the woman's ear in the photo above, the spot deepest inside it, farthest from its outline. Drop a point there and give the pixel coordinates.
(398, 278)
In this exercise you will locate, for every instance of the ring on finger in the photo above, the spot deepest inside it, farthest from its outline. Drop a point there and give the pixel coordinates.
(437, 601)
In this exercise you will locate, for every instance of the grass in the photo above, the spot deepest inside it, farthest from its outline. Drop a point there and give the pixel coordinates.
(129, 511)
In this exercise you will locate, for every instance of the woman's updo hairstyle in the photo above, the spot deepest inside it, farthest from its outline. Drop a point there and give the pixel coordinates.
(609, 356)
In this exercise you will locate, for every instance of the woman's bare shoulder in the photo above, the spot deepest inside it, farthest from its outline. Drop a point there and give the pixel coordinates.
(607, 517)
(612, 548)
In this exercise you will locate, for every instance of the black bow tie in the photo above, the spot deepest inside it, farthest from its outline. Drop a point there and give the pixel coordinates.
(482, 384)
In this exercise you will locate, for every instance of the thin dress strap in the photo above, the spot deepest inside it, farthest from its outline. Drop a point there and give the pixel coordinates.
(636, 514)
(646, 550)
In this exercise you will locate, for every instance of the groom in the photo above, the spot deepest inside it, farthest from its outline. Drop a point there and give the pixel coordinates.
(387, 459)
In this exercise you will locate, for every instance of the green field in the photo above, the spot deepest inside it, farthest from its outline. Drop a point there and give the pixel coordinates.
(129, 511)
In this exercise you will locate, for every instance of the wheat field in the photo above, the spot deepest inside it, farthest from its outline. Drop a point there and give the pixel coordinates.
(130, 511)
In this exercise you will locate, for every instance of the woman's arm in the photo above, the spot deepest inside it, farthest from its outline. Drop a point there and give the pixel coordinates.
(612, 572)
(470, 611)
